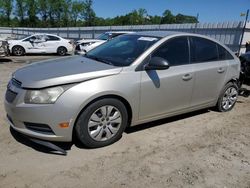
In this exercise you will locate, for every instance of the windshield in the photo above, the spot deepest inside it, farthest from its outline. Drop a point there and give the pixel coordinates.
(104, 36)
(122, 50)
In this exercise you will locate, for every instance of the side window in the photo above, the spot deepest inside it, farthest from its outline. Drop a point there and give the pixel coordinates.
(52, 38)
(203, 50)
(223, 53)
(175, 51)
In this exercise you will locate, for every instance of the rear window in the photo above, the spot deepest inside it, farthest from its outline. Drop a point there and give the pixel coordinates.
(224, 54)
(52, 38)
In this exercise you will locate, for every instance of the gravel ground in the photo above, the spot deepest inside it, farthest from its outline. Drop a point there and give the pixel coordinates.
(200, 149)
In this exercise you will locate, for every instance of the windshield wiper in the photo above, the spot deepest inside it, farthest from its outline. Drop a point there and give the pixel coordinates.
(99, 59)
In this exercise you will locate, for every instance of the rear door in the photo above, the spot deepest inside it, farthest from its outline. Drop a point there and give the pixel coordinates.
(168, 91)
(210, 71)
(51, 44)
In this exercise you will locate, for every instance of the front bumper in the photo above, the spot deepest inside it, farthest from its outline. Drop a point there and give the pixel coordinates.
(19, 113)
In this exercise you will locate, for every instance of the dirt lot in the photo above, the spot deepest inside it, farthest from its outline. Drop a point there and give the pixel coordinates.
(201, 149)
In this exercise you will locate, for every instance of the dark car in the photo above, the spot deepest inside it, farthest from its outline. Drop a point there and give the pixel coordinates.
(245, 68)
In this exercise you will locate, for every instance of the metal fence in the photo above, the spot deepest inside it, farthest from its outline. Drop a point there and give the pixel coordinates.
(229, 33)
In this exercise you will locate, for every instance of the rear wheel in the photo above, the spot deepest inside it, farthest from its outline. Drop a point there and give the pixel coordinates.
(62, 51)
(228, 97)
(102, 123)
(18, 51)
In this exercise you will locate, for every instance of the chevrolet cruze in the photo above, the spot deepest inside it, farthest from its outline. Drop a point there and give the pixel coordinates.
(130, 80)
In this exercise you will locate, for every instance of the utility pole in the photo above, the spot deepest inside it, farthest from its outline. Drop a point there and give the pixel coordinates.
(196, 24)
(243, 30)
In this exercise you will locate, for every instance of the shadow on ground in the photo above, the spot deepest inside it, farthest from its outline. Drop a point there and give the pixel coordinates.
(67, 145)
(160, 122)
(5, 60)
(28, 142)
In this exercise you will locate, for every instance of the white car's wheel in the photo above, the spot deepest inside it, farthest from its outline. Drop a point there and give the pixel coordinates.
(62, 51)
(18, 51)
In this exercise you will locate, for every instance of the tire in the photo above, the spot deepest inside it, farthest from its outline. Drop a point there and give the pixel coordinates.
(228, 97)
(62, 51)
(101, 123)
(18, 51)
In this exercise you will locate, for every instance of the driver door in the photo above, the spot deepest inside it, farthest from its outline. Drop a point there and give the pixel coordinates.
(168, 91)
(34, 44)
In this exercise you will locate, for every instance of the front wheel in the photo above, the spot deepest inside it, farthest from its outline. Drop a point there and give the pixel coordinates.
(18, 51)
(228, 97)
(102, 123)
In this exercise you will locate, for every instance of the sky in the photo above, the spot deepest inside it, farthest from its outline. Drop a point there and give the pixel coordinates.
(209, 10)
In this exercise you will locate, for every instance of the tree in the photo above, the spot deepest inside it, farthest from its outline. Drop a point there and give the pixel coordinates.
(89, 14)
(142, 14)
(31, 12)
(20, 11)
(6, 9)
(66, 13)
(168, 17)
(77, 10)
(67, 6)
(180, 18)
(43, 10)
(155, 19)
(54, 13)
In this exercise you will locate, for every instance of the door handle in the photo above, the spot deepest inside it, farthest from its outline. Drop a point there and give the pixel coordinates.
(221, 70)
(187, 77)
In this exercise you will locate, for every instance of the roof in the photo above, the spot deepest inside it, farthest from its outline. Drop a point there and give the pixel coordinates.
(158, 33)
(118, 32)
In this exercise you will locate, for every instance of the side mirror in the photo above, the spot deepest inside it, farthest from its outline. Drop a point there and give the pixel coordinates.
(157, 63)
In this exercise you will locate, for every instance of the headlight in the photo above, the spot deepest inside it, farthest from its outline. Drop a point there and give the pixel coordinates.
(44, 96)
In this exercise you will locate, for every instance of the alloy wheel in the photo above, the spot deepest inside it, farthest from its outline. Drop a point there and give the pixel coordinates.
(104, 123)
(229, 98)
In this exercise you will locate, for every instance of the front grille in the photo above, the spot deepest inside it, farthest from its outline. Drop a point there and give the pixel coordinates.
(10, 96)
(40, 128)
(16, 83)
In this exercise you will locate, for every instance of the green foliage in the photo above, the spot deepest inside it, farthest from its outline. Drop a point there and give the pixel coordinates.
(89, 14)
(5, 10)
(68, 13)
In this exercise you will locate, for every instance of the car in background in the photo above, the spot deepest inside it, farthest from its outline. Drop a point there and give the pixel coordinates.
(4, 47)
(41, 43)
(129, 80)
(85, 45)
(245, 67)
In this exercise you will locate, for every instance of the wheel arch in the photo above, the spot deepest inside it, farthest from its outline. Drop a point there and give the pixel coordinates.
(62, 47)
(233, 80)
(17, 45)
(113, 96)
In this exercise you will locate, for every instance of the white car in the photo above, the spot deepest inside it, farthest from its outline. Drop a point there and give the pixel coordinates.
(85, 45)
(40, 43)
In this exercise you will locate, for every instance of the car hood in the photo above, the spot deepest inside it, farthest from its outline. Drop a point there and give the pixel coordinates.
(90, 40)
(63, 71)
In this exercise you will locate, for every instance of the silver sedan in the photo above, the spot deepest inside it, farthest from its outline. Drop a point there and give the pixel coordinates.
(130, 80)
